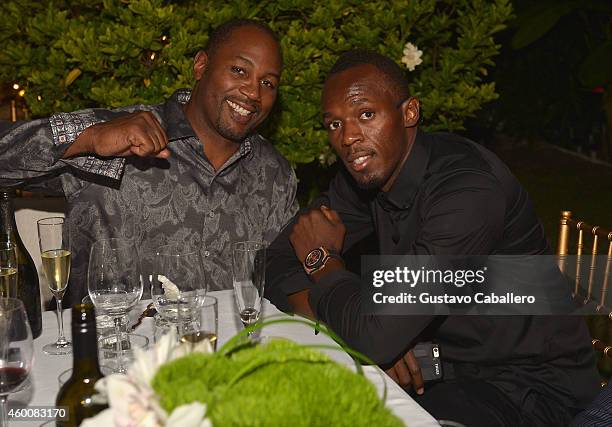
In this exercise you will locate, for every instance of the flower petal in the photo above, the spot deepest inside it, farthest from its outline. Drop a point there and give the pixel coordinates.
(147, 362)
(411, 56)
(120, 389)
(190, 415)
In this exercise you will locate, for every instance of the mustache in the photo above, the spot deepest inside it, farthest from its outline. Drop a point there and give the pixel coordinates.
(252, 106)
(358, 152)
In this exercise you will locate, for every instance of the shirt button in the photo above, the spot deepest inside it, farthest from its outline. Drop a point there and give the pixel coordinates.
(211, 214)
(206, 253)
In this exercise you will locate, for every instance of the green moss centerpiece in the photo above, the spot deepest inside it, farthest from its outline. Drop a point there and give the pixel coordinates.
(271, 382)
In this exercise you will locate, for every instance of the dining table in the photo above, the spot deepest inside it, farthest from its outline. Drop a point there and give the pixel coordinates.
(42, 385)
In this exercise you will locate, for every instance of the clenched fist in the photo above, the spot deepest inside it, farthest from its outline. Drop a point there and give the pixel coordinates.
(317, 227)
(135, 134)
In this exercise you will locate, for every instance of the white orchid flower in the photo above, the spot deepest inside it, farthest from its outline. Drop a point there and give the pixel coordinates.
(133, 402)
(147, 362)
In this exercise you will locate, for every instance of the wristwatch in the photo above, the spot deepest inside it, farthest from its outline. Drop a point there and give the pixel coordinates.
(316, 259)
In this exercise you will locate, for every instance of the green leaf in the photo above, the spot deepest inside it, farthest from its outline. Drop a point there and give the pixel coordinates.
(596, 69)
(111, 42)
(538, 20)
(72, 76)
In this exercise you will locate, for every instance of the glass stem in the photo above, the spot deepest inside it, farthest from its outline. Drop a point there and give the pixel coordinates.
(61, 339)
(250, 333)
(3, 411)
(119, 346)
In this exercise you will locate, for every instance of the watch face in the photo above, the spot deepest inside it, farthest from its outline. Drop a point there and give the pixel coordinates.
(313, 257)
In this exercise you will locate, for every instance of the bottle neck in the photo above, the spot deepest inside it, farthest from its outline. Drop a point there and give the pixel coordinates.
(8, 227)
(7, 216)
(85, 350)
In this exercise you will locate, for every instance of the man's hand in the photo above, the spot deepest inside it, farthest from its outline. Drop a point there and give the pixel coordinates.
(318, 227)
(406, 372)
(136, 134)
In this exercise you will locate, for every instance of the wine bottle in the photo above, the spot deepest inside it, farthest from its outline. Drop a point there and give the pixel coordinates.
(28, 287)
(77, 393)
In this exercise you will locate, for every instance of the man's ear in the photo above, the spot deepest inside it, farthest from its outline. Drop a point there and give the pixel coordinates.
(200, 63)
(411, 110)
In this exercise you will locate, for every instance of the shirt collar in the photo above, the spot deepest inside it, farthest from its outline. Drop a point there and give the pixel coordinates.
(404, 189)
(177, 125)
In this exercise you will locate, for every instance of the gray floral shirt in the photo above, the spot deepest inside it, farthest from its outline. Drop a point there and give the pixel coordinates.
(180, 200)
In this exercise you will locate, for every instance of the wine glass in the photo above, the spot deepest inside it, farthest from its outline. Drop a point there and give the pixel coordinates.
(8, 270)
(15, 350)
(53, 238)
(176, 279)
(113, 281)
(249, 268)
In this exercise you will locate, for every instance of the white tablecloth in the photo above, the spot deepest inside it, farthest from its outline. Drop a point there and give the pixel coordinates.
(44, 385)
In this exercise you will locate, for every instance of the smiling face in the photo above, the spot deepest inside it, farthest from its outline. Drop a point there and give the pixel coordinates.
(236, 86)
(367, 128)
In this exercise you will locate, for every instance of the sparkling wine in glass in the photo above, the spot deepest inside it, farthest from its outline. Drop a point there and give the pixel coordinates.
(204, 325)
(8, 270)
(249, 268)
(113, 282)
(53, 238)
(15, 350)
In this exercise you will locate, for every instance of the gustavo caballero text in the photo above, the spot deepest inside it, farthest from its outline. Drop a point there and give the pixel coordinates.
(427, 298)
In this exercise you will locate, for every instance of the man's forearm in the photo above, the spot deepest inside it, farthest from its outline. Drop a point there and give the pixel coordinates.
(32, 149)
(134, 134)
(332, 264)
(299, 301)
(299, 304)
(338, 301)
(82, 145)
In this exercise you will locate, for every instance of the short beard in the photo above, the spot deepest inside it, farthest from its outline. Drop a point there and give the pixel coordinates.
(227, 133)
(370, 183)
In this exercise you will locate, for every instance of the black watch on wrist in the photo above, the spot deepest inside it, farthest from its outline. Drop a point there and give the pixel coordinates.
(317, 258)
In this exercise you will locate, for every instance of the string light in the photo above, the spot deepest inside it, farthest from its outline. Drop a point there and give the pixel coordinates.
(21, 92)
(164, 38)
(152, 56)
(39, 98)
(15, 86)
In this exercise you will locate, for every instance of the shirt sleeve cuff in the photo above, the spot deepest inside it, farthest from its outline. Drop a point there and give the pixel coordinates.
(290, 285)
(66, 128)
(326, 285)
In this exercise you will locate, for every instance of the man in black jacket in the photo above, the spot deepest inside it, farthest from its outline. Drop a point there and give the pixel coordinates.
(429, 194)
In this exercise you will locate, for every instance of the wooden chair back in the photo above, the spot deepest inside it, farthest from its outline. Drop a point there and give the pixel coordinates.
(592, 243)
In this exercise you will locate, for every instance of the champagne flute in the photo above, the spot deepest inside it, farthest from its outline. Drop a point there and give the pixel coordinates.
(53, 238)
(113, 282)
(16, 350)
(8, 270)
(249, 268)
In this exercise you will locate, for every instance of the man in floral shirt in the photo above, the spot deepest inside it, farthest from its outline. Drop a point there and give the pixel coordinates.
(191, 171)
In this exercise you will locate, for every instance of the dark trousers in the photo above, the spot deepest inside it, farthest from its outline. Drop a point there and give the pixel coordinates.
(476, 403)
